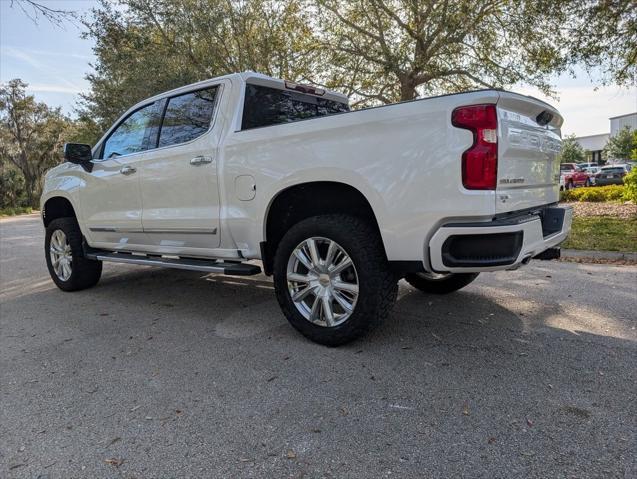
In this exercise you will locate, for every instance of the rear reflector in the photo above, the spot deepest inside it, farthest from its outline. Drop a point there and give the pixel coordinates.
(480, 161)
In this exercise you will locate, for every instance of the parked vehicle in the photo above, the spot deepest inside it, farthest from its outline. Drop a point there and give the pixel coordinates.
(591, 171)
(574, 176)
(584, 166)
(337, 205)
(611, 175)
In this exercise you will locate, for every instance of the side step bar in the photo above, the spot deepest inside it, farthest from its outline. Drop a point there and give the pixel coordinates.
(191, 264)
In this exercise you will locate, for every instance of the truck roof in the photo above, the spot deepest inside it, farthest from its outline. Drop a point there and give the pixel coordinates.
(251, 77)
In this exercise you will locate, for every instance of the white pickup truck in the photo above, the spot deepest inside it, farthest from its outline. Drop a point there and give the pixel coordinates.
(338, 205)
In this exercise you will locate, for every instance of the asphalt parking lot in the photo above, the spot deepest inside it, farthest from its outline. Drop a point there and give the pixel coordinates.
(165, 373)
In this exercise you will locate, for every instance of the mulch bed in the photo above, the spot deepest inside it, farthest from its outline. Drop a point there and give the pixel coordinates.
(618, 210)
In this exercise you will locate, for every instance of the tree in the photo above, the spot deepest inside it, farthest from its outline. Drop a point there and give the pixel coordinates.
(572, 151)
(620, 146)
(602, 37)
(144, 47)
(31, 135)
(376, 51)
(402, 49)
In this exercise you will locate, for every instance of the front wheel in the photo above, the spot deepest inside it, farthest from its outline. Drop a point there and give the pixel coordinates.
(440, 283)
(332, 279)
(68, 267)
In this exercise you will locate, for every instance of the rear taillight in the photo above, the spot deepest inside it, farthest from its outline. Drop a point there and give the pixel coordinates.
(480, 161)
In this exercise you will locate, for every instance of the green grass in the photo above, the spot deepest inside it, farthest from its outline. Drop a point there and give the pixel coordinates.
(15, 210)
(603, 233)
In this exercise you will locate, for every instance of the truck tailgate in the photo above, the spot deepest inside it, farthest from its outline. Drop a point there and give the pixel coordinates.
(528, 167)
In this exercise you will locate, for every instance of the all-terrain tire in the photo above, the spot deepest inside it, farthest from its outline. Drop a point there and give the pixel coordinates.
(449, 284)
(377, 285)
(85, 273)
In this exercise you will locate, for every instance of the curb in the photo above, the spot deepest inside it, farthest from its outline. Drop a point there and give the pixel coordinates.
(607, 255)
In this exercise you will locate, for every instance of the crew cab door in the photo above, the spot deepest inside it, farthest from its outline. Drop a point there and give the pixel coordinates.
(179, 184)
(110, 198)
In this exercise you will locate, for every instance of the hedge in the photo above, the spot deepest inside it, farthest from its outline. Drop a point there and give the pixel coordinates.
(595, 194)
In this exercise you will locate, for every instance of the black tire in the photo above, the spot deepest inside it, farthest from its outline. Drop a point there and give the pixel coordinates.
(85, 273)
(449, 284)
(570, 185)
(377, 285)
(587, 183)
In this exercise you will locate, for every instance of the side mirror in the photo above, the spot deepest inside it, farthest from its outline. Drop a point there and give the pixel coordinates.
(77, 153)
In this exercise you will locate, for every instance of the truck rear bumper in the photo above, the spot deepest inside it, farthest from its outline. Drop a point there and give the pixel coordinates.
(500, 244)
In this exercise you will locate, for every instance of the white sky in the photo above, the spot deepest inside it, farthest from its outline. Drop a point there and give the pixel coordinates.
(54, 62)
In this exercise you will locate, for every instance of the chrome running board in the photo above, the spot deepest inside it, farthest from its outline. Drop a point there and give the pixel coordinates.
(191, 264)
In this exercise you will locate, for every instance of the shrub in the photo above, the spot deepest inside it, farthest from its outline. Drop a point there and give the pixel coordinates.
(594, 194)
(15, 210)
(630, 185)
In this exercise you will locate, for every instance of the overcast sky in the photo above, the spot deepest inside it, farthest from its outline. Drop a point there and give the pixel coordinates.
(54, 62)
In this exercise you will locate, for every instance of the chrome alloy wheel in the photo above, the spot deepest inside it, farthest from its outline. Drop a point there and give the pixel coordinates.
(322, 281)
(61, 256)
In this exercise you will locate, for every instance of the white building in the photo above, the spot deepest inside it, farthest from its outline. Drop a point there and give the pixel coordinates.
(594, 144)
(619, 122)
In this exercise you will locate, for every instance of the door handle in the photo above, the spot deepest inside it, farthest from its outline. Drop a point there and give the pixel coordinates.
(127, 170)
(200, 160)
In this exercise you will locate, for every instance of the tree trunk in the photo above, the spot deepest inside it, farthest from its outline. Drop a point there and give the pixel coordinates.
(30, 187)
(407, 90)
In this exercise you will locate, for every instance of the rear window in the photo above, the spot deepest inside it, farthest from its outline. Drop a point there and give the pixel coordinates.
(613, 170)
(265, 106)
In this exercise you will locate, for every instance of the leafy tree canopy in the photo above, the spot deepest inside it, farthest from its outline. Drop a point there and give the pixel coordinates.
(31, 136)
(377, 51)
(145, 47)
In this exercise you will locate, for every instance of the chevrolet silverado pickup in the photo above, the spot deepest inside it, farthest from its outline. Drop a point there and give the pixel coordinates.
(337, 205)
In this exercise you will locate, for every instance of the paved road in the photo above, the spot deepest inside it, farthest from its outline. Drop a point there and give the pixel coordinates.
(159, 373)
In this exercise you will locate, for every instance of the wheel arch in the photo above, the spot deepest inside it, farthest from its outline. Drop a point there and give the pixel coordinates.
(303, 200)
(57, 207)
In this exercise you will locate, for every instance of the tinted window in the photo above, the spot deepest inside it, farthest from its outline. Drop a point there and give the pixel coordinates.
(187, 116)
(613, 170)
(265, 106)
(128, 137)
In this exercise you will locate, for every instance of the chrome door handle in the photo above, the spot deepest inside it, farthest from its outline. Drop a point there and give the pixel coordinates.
(200, 160)
(127, 170)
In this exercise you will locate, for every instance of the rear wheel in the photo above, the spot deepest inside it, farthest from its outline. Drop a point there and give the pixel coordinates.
(587, 182)
(440, 283)
(332, 279)
(570, 185)
(68, 267)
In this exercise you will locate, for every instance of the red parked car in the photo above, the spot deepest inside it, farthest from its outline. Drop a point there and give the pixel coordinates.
(574, 176)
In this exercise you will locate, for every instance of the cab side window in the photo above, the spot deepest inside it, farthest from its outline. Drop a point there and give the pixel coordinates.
(187, 116)
(129, 136)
